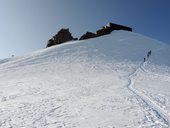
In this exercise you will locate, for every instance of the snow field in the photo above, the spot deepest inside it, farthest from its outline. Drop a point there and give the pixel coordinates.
(96, 83)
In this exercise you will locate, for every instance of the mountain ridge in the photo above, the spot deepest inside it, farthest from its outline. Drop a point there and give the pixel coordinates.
(144, 44)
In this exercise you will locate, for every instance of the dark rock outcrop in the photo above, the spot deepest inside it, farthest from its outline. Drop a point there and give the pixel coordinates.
(88, 35)
(111, 27)
(62, 36)
(50, 43)
(105, 30)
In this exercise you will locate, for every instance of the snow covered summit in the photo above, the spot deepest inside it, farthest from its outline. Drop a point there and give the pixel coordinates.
(97, 83)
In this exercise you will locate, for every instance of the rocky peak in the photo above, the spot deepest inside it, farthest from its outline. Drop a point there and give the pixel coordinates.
(62, 36)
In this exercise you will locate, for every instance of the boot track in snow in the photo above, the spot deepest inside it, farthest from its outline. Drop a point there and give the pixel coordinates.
(154, 115)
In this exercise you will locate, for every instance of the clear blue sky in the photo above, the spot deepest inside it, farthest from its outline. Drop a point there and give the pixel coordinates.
(26, 25)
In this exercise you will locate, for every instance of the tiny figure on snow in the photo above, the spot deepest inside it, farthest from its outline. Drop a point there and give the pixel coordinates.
(144, 59)
(149, 53)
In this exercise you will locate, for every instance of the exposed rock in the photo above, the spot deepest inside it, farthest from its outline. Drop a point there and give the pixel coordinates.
(105, 30)
(62, 36)
(88, 35)
(75, 39)
(50, 43)
(111, 27)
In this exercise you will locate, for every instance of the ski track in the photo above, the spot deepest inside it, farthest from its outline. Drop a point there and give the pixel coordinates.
(155, 116)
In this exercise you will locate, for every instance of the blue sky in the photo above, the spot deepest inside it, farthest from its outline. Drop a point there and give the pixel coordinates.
(26, 25)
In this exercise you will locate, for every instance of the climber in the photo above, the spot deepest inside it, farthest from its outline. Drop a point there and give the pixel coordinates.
(150, 52)
(144, 59)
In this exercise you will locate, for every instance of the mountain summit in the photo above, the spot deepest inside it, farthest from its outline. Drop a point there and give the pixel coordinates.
(64, 35)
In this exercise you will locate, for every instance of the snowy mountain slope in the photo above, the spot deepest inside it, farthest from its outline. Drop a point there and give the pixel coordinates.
(94, 83)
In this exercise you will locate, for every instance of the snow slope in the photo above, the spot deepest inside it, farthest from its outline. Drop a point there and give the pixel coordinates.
(96, 83)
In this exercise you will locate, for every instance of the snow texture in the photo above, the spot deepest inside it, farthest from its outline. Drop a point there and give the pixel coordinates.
(96, 83)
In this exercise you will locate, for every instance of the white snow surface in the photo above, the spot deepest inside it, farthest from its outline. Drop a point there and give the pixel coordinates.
(96, 83)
